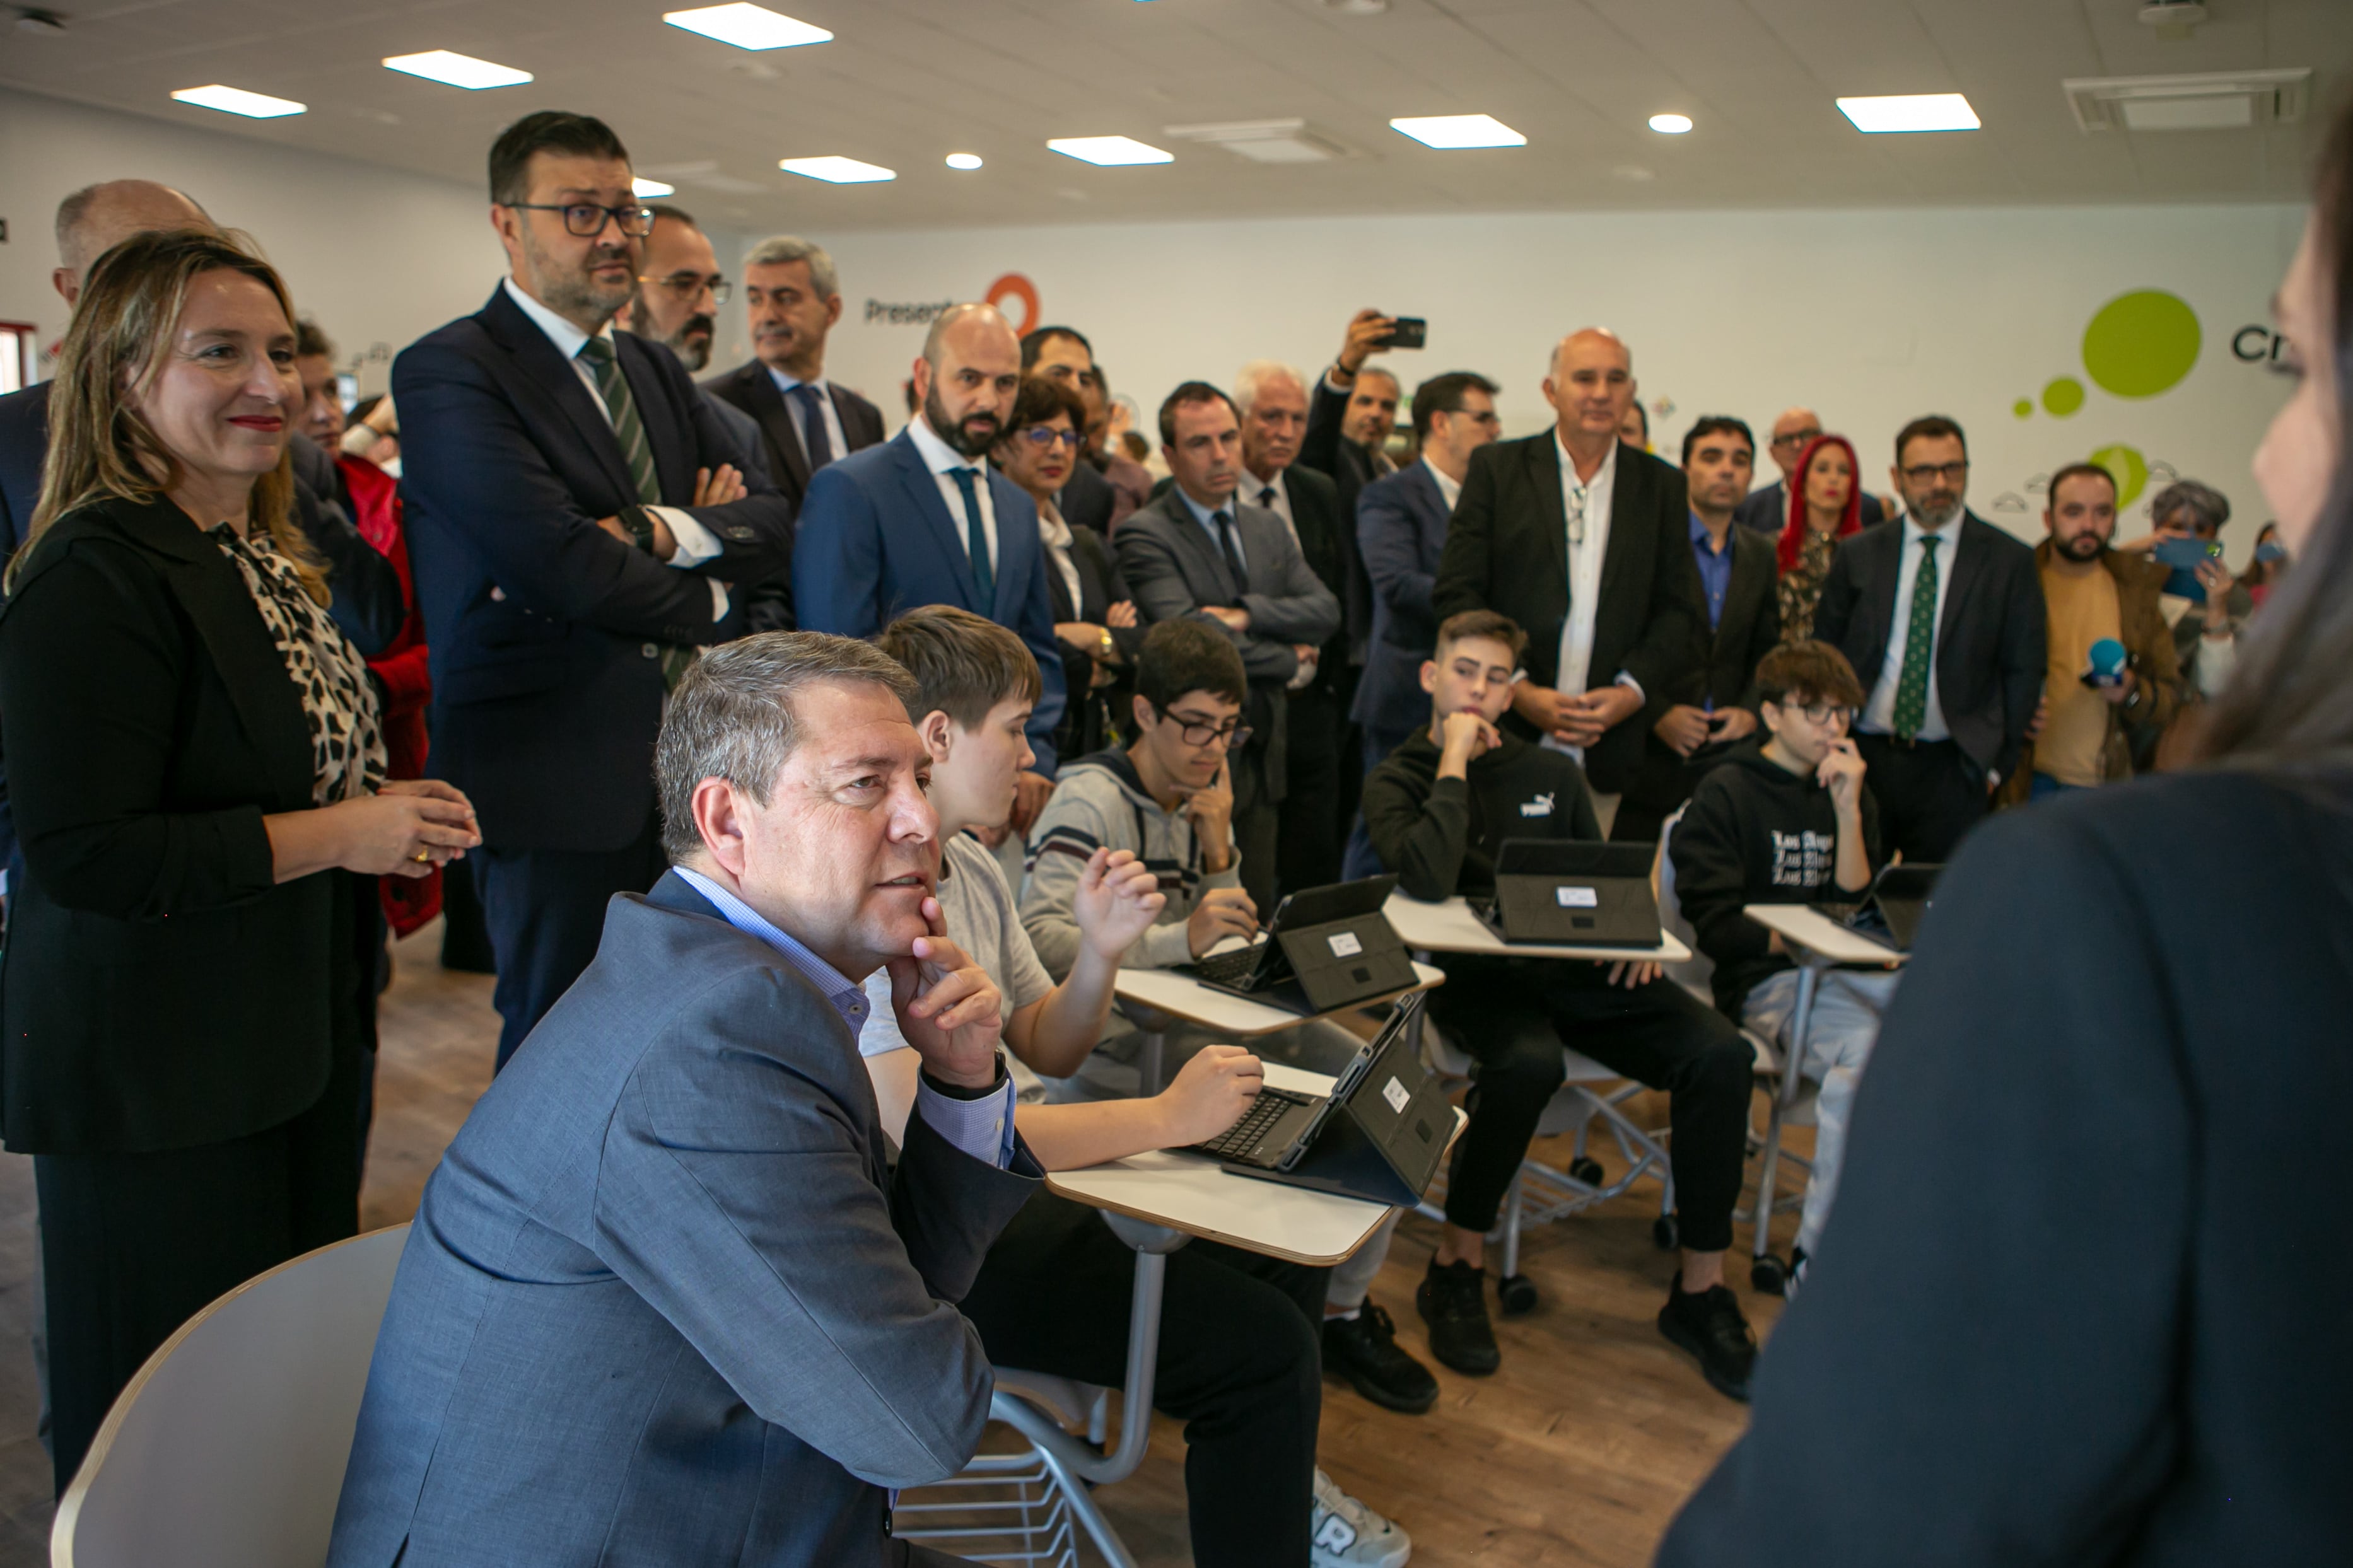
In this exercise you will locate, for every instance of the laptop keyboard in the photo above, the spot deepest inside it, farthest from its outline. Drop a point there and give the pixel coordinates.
(1231, 967)
(1243, 1136)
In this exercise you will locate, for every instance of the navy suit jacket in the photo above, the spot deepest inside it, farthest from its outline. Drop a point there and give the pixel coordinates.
(664, 1302)
(546, 631)
(877, 539)
(1401, 530)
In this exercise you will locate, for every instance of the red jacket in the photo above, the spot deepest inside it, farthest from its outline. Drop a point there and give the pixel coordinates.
(408, 902)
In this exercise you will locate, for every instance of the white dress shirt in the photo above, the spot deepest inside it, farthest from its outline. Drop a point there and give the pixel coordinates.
(1055, 535)
(800, 415)
(1273, 494)
(1448, 490)
(1584, 510)
(695, 543)
(1205, 516)
(943, 460)
(1879, 713)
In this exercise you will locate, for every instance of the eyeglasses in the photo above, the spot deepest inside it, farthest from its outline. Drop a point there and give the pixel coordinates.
(1797, 438)
(1235, 735)
(1047, 436)
(586, 220)
(1926, 473)
(687, 285)
(1819, 712)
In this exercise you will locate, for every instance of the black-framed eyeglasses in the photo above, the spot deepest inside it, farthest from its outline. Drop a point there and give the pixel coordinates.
(586, 220)
(1819, 712)
(1929, 473)
(1234, 734)
(1797, 438)
(1047, 436)
(687, 285)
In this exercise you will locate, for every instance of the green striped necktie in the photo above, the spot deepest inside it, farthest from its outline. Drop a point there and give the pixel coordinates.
(1919, 646)
(630, 431)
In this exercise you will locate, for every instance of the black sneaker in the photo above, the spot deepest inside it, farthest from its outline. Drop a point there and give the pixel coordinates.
(1452, 1299)
(1364, 1349)
(1709, 1325)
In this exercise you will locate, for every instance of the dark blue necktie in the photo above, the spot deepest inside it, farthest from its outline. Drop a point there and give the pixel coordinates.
(813, 440)
(1226, 546)
(984, 577)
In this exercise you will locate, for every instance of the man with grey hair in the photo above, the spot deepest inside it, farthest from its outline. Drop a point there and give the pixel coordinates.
(2204, 602)
(792, 298)
(666, 1299)
(923, 520)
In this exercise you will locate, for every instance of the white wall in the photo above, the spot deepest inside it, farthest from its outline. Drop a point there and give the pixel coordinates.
(1870, 317)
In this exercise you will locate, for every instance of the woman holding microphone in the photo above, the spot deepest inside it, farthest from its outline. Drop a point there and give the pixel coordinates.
(196, 762)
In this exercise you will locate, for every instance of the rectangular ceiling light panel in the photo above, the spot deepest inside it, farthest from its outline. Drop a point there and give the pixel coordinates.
(1109, 151)
(748, 26)
(1910, 111)
(237, 100)
(1451, 131)
(646, 190)
(458, 70)
(836, 171)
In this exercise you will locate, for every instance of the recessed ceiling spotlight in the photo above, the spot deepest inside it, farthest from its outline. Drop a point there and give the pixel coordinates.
(646, 190)
(1460, 131)
(964, 162)
(458, 70)
(1109, 151)
(748, 26)
(1910, 111)
(237, 100)
(1671, 124)
(836, 171)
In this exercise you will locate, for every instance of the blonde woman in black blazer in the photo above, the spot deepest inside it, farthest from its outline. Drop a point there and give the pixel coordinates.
(195, 765)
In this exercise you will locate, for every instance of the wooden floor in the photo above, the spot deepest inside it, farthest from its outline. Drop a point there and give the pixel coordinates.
(1576, 1452)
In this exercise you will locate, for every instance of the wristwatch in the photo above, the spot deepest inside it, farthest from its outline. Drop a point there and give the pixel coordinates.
(639, 522)
(1106, 649)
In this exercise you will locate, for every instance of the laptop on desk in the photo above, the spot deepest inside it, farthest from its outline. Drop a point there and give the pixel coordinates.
(1327, 947)
(1570, 893)
(1890, 909)
(1378, 1135)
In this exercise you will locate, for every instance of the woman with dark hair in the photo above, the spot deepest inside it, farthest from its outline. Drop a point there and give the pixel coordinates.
(1825, 506)
(2084, 1297)
(196, 767)
(1094, 614)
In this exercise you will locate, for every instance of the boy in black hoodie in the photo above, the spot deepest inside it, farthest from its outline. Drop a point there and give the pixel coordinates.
(1787, 820)
(1436, 811)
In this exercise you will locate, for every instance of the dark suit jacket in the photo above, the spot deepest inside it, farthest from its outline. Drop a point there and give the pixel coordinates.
(750, 388)
(2060, 1047)
(1989, 644)
(546, 631)
(1176, 570)
(1725, 674)
(1327, 544)
(1088, 500)
(876, 538)
(664, 1302)
(1401, 521)
(1507, 550)
(159, 988)
(1350, 468)
(1767, 510)
(1090, 710)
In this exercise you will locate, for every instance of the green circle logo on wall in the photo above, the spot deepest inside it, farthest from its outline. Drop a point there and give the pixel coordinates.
(2023, 408)
(2139, 345)
(2128, 468)
(2063, 396)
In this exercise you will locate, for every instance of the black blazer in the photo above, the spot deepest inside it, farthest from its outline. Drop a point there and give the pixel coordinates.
(1350, 468)
(1330, 547)
(1989, 644)
(546, 631)
(1507, 550)
(2064, 1311)
(159, 989)
(1101, 585)
(750, 388)
(1749, 626)
(1087, 500)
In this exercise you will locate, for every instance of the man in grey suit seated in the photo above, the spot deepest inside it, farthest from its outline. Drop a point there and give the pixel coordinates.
(664, 1302)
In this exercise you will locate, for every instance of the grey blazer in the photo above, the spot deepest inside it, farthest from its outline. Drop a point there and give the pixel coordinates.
(1169, 561)
(663, 1302)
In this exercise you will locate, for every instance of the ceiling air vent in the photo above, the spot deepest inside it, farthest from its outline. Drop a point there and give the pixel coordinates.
(2223, 100)
(1264, 140)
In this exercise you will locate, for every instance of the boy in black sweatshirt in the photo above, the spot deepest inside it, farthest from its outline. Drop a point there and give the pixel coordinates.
(1437, 810)
(1789, 821)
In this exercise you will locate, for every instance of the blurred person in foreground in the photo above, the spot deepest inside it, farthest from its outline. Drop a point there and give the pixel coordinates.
(2081, 1300)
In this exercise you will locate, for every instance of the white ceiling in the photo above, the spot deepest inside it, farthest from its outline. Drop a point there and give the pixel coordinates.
(907, 82)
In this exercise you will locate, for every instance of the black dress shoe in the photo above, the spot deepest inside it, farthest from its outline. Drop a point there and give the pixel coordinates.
(1452, 1299)
(1364, 1349)
(1708, 1324)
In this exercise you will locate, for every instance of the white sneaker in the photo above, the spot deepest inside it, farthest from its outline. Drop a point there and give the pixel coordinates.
(1347, 1534)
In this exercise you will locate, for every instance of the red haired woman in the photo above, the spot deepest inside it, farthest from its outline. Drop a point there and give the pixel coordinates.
(1825, 506)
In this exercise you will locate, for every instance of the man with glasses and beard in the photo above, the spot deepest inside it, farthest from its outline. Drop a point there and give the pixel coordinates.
(1941, 613)
(577, 528)
(923, 520)
(680, 290)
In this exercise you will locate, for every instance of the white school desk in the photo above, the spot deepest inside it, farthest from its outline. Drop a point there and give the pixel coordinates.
(1449, 926)
(1180, 996)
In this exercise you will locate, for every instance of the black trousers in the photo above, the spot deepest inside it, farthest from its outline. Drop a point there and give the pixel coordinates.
(1929, 793)
(1514, 1015)
(1311, 820)
(545, 911)
(1258, 829)
(133, 1246)
(1239, 1362)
